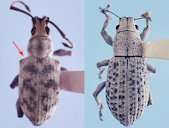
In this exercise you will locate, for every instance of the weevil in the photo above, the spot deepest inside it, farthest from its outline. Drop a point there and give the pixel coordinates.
(127, 91)
(41, 77)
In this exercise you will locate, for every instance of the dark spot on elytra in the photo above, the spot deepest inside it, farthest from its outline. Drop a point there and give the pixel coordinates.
(121, 97)
(48, 69)
(139, 99)
(27, 85)
(115, 64)
(115, 74)
(32, 89)
(138, 90)
(132, 71)
(31, 69)
(133, 89)
(57, 92)
(122, 82)
(29, 107)
(113, 97)
(51, 84)
(44, 96)
(114, 90)
(110, 77)
(114, 108)
(132, 82)
(45, 108)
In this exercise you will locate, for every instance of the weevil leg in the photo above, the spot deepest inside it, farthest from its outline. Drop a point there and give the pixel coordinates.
(14, 82)
(150, 99)
(19, 110)
(63, 69)
(62, 52)
(151, 69)
(100, 64)
(95, 94)
(108, 39)
(146, 30)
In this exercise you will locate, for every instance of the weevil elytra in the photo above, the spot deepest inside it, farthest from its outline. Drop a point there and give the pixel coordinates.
(127, 92)
(41, 77)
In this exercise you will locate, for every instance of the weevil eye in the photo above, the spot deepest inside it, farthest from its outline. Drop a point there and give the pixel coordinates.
(136, 26)
(117, 27)
(47, 30)
(33, 20)
(33, 31)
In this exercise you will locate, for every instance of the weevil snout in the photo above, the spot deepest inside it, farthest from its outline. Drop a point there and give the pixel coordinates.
(127, 24)
(40, 26)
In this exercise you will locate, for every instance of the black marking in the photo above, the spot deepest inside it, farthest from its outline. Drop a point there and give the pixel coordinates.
(51, 84)
(29, 108)
(31, 68)
(113, 97)
(133, 89)
(48, 69)
(27, 85)
(45, 108)
(114, 108)
(114, 90)
(121, 97)
(115, 74)
(44, 96)
(115, 65)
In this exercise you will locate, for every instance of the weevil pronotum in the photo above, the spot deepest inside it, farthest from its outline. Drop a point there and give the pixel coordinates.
(41, 77)
(127, 92)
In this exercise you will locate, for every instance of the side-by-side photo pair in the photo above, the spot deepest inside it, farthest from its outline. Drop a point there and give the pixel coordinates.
(84, 64)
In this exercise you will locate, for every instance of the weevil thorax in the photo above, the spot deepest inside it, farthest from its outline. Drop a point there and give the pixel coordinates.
(40, 44)
(127, 24)
(127, 41)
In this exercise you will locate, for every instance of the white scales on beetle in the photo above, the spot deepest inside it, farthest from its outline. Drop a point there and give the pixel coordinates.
(127, 91)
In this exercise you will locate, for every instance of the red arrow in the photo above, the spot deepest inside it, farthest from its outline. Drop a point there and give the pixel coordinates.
(20, 51)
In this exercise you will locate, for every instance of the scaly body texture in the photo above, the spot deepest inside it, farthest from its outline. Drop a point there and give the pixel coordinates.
(39, 88)
(127, 92)
(40, 78)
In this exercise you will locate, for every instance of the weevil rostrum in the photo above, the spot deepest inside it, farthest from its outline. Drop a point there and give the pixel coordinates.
(127, 92)
(41, 78)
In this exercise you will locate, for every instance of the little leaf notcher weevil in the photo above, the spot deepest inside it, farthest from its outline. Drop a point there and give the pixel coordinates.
(127, 92)
(41, 77)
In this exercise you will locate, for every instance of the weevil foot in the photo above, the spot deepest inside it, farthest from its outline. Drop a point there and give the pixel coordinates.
(150, 100)
(101, 112)
(63, 69)
(14, 82)
(19, 110)
(101, 72)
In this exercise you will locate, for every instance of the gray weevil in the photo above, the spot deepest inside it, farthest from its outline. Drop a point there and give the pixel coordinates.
(127, 92)
(41, 77)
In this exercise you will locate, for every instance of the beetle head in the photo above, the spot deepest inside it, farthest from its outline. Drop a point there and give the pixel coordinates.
(127, 24)
(40, 26)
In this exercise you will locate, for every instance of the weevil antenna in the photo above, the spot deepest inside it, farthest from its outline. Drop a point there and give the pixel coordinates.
(139, 18)
(106, 9)
(63, 35)
(12, 7)
(113, 14)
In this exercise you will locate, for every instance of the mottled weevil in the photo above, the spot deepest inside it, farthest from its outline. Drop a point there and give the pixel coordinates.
(127, 92)
(41, 77)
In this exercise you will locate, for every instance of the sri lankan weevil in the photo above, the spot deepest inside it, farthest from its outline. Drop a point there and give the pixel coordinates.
(127, 92)
(41, 77)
